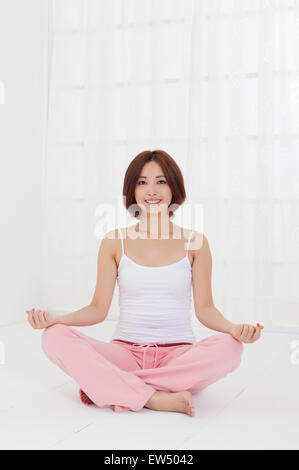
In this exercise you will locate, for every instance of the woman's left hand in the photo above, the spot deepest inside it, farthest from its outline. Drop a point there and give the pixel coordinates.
(246, 333)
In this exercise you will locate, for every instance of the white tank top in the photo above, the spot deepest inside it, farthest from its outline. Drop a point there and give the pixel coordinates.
(154, 301)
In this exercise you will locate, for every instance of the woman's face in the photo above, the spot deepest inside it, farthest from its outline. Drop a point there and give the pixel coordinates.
(152, 185)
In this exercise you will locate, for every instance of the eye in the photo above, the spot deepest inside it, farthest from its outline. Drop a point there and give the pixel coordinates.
(160, 181)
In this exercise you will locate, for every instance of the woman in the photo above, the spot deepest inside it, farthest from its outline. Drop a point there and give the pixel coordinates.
(153, 360)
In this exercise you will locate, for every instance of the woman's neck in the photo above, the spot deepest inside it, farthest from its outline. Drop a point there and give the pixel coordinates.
(156, 231)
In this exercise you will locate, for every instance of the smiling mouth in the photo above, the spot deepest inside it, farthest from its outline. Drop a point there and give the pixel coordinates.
(153, 202)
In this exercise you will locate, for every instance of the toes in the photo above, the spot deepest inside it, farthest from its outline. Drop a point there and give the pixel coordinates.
(190, 408)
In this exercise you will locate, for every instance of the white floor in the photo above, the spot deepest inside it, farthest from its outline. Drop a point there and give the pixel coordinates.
(255, 407)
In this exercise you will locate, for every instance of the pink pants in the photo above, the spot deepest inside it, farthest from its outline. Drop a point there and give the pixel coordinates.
(125, 376)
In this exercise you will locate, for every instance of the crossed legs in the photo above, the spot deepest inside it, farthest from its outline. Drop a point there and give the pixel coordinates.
(110, 376)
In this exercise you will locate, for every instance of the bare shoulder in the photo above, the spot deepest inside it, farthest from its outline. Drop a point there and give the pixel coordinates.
(112, 234)
(109, 242)
(197, 240)
(199, 243)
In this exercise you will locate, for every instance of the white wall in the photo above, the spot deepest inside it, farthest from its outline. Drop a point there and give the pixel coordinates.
(23, 69)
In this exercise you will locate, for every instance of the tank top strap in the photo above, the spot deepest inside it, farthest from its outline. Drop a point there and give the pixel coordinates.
(122, 241)
(189, 239)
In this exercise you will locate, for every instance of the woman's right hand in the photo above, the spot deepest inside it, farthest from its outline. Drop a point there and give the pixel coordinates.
(40, 319)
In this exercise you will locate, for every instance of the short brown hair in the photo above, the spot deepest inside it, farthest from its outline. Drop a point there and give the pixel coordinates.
(172, 174)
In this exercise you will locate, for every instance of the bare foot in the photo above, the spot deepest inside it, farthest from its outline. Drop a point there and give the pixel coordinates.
(167, 401)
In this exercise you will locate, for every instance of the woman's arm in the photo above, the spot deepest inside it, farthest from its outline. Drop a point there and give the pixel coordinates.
(213, 319)
(98, 309)
(86, 316)
(205, 310)
(204, 307)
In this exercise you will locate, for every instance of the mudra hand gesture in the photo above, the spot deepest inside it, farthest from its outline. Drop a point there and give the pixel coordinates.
(40, 319)
(246, 333)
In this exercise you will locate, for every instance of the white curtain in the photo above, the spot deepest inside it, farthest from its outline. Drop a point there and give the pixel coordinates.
(215, 83)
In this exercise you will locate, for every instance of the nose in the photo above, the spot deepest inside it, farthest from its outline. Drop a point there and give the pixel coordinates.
(151, 191)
